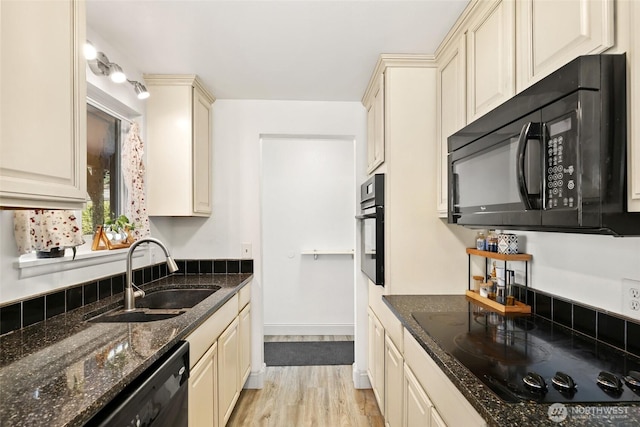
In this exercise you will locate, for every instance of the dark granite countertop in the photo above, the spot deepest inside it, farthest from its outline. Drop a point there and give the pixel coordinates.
(489, 406)
(62, 371)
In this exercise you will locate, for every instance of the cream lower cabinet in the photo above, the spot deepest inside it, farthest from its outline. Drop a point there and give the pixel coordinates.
(376, 356)
(220, 361)
(203, 399)
(228, 371)
(436, 419)
(179, 147)
(449, 406)
(417, 406)
(245, 344)
(43, 137)
(393, 384)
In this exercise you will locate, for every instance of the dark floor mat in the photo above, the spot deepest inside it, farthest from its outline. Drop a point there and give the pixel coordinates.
(308, 353)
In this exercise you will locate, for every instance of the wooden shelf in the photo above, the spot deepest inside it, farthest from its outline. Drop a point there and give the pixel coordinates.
(502, 257)
(519, 307)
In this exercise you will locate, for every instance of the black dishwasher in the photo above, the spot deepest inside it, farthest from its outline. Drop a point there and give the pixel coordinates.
(158, 398)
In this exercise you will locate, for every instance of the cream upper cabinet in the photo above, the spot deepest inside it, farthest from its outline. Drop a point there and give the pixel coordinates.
(179, 132)
(374, 103)
(43, 104)
(490, 57)
(633, 118)
(550, 34)
(451, 111)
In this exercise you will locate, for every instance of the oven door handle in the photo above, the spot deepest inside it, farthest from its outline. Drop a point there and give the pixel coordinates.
(366, 216)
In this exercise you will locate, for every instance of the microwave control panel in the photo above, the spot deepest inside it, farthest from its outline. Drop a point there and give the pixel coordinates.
(561, 184)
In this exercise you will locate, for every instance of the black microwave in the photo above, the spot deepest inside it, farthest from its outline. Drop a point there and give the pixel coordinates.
(552, 158)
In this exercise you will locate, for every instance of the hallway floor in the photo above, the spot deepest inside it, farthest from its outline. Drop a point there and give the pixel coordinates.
(307, 396)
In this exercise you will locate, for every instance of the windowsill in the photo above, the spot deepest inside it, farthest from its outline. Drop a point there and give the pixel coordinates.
(30, 266)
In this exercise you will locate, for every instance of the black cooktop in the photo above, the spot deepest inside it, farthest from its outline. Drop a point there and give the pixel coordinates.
(518, 357)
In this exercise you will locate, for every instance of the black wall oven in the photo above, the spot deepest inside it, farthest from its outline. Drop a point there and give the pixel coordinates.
(372, 227)
(552, 158)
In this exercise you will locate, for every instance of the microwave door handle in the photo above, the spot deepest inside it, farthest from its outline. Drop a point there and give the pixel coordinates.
(528, 130)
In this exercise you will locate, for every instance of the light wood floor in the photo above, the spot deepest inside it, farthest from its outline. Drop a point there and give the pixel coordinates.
(307, 396)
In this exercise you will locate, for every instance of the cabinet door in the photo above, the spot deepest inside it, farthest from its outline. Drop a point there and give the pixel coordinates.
(550, 34)
(202, 181)
(436, 419)
(451, 112)
(491, 58)
(43, 104)
(375, 128)
(245, 344)
(228, 371)
(417, 406)
(376, 359)
(393, 384)
(179, 177)
(202, 390)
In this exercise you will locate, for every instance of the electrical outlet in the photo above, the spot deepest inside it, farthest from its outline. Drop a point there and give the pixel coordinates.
(631, 298)
(246, 251)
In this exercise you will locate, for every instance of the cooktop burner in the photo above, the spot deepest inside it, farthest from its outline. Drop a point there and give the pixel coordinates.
(526, 358)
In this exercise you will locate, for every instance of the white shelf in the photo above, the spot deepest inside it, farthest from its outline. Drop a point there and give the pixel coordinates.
(316, 252)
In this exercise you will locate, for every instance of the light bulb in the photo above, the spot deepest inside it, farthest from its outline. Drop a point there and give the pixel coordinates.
(89, 51)
(116, 73)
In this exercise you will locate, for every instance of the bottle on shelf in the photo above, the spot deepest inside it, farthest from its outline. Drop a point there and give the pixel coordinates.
(480, 241)
(492, 241)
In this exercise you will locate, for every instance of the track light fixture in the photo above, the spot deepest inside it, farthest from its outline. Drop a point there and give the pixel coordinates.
(140, 89)
(101, 66)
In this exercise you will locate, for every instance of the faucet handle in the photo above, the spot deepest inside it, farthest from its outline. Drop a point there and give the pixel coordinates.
(139, 293)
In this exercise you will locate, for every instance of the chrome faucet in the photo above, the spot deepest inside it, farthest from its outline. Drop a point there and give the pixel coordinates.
(129, 294)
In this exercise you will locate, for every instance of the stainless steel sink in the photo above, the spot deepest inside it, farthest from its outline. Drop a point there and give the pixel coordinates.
(137, 316)
(174, 298)
(158, 305)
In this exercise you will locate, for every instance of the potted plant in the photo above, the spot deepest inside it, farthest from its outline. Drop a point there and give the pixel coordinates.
(117, 230)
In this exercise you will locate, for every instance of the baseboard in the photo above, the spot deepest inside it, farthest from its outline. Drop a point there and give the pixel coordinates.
(360, 378)
(309, 329)
(256, 379)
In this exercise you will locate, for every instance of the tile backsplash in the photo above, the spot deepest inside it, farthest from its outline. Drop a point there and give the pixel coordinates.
(24, 313)
(612, 329)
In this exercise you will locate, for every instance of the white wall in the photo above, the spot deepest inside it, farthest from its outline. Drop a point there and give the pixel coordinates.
(308, 200)
(584, 268)
(237, 128)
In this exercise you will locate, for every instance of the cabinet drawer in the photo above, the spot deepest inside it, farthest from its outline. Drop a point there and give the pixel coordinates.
(202, 338)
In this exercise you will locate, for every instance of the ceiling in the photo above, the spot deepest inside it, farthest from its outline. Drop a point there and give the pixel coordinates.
(278, 50)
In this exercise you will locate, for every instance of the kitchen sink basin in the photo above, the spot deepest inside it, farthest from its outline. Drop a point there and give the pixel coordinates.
(158, 305)
(174, 298)
(137, 316)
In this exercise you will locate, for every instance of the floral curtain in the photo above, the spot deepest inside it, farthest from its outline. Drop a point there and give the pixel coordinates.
(44, 230)
(133, 171)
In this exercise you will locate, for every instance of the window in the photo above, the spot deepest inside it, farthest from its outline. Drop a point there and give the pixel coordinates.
(104, 178)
